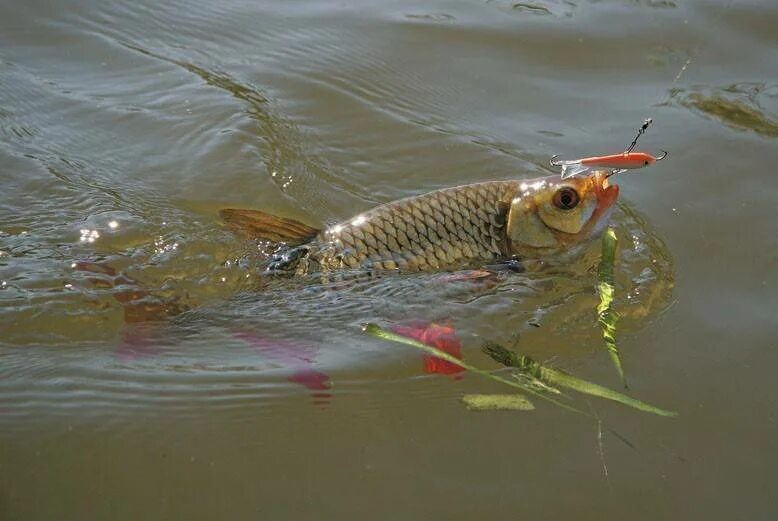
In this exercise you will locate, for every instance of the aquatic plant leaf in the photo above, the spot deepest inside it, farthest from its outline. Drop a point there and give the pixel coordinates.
(550, 376)
(378, 332)
(606, 316)
(537, 384)
(497, 402)
(508, 358)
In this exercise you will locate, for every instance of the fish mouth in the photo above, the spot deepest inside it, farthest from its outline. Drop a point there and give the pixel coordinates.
(606, 193)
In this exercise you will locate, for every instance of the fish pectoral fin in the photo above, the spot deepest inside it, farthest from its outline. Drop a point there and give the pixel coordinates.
(509, 265)
(573, 169)
(257, 224)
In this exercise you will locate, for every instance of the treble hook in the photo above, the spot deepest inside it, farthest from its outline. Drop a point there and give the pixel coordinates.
(664, 155)
(614, 172)
(553, 161)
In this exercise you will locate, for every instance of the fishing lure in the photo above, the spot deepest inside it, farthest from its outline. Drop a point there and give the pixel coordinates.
(615, 162)
(627, 160)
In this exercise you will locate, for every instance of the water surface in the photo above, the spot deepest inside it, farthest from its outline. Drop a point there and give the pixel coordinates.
(124, 127)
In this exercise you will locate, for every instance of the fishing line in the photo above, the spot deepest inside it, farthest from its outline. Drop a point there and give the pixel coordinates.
(690, 59)
(663, 99)
(683, 69)
(642, 130)
(648, 121)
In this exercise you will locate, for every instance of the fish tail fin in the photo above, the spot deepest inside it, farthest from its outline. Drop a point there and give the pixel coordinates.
(264, 226)
(573, 169)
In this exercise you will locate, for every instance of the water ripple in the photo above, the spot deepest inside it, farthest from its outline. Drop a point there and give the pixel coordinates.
(740, 106)
(276, 335)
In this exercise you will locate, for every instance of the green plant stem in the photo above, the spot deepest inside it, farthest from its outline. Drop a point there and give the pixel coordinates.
(606, 316)
(550, 376)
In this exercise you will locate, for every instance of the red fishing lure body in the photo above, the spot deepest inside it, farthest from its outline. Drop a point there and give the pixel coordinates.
(622, 161)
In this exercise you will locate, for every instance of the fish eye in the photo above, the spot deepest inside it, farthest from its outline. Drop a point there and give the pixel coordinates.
(566, 198)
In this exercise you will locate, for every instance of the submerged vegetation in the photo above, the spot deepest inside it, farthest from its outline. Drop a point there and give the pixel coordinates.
(607, 317)
(543, 379)
(532, 377)
(497, 402)
(553, 377)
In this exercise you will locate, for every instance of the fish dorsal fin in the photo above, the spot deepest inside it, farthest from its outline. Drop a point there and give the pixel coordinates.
(264, 226)
(573, 169)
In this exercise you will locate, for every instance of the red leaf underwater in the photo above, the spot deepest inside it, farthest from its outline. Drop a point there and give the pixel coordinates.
(440, 336)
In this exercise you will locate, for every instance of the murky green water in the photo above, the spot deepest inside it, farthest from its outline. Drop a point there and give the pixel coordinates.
(125, 126)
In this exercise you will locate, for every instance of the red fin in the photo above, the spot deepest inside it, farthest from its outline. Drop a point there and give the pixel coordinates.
(298, 357)
(260, 225)
(441, 336)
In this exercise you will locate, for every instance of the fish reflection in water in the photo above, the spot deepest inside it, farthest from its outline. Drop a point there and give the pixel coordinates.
(145, 322)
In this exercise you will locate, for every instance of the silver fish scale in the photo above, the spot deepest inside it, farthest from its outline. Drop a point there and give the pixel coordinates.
(446, 228)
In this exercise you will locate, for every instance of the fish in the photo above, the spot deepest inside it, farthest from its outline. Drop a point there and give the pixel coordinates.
(622, 161)
(444, 230)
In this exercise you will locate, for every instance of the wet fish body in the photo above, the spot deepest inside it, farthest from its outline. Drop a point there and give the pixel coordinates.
(433, 231)
(442, 230)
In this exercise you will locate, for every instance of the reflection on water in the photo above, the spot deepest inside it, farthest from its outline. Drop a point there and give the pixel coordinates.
(743, 106)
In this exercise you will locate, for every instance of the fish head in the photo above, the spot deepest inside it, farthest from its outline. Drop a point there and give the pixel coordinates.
(552, 215)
